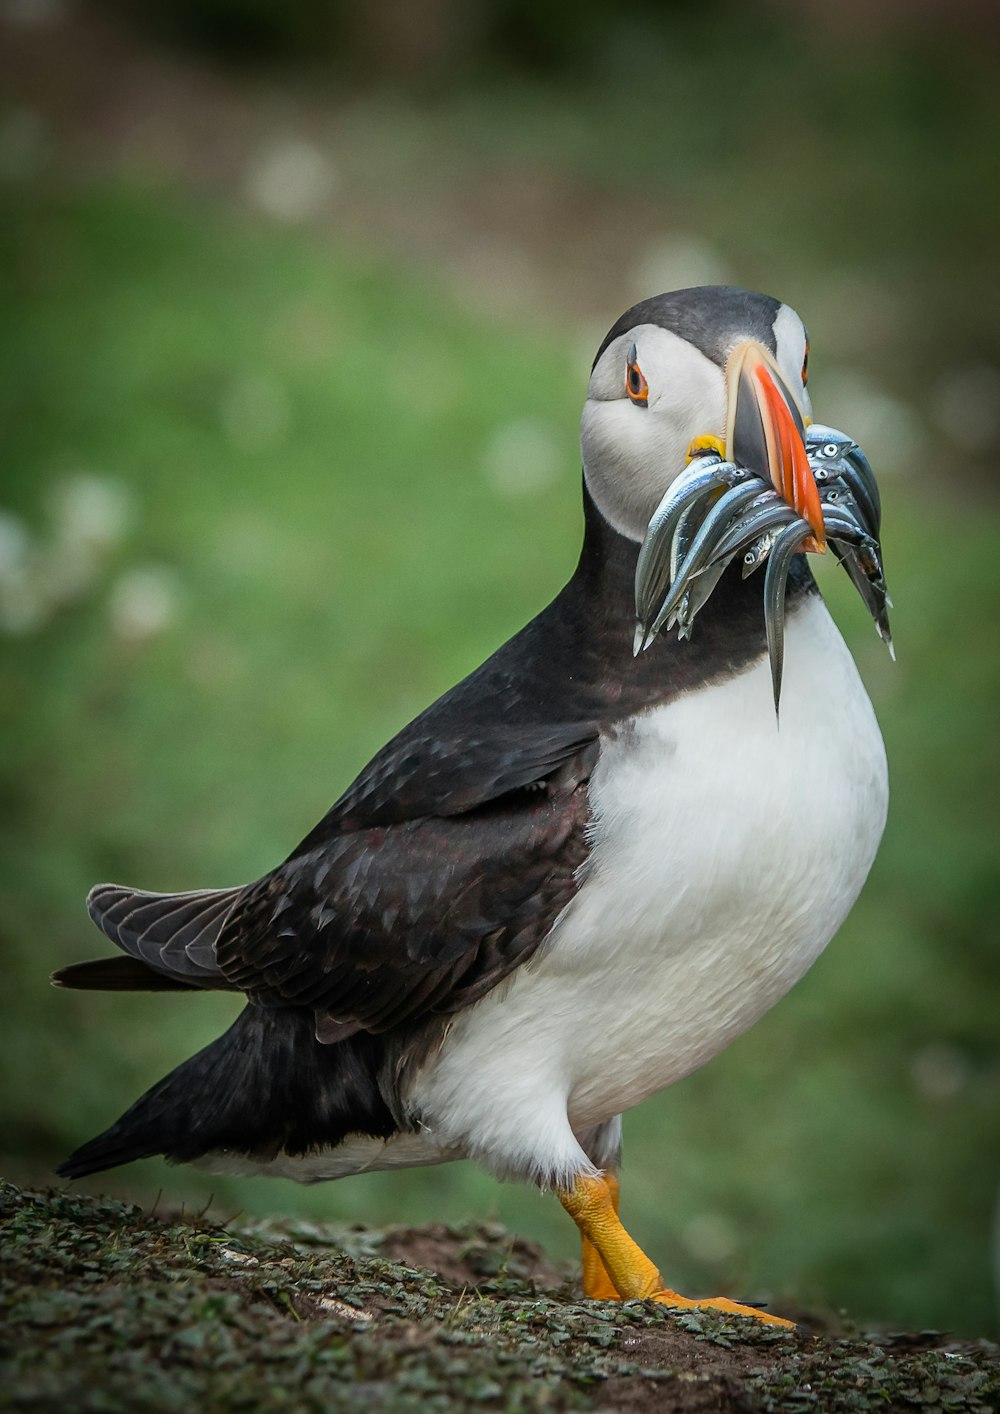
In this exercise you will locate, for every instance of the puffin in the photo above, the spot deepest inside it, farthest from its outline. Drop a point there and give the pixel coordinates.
(587, 868)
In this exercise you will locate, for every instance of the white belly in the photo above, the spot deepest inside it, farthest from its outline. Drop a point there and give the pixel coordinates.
(726, 853)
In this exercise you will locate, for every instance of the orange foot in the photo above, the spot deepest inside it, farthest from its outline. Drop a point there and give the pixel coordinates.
(615, 1266)
(719, 1303)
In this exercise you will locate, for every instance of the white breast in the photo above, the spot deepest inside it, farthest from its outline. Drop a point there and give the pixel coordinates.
(726, 853)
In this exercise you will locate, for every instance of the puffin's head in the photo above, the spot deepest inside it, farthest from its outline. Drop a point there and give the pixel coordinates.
(708, 367)
(698, 445)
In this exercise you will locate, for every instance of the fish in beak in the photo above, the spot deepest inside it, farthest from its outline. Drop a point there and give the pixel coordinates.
(775, 488)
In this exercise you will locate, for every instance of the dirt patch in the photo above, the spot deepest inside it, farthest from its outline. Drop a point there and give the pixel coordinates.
(472, 1253)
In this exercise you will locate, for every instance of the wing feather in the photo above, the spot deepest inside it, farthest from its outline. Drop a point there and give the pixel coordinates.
(175, 934)
(375, 927)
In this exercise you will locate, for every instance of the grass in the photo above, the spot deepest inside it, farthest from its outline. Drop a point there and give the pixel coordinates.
(302, 433)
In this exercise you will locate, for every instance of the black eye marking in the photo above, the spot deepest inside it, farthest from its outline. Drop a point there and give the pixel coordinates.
(635, 383)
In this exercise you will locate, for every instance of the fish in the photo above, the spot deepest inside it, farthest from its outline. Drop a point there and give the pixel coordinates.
(719, 518)
(786, 547)
(704, 476)
(715, 511)
(758, 552)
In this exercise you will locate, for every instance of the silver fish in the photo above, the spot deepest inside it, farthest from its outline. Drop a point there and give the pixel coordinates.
(834, 456)
(725, 509)
(698, 594)
(861, 476)
(786, 547)
(759, 551)
(705, 476)
(687, 528)
(769, 512)
(826, 450)
(716, 511)
(872, 592)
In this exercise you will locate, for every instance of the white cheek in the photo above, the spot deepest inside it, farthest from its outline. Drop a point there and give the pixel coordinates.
(693, 400)
(623, 459)
(630, 453)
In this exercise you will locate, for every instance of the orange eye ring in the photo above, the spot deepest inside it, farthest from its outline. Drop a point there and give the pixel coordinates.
(635, 381)
(805, 365)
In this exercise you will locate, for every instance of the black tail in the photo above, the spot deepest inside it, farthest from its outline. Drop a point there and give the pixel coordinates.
(264, 1087)
(117, 974)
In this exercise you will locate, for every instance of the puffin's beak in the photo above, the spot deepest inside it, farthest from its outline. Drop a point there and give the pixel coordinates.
(765, 430)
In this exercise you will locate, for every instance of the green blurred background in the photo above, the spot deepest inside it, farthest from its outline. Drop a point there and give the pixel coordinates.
(298, 306)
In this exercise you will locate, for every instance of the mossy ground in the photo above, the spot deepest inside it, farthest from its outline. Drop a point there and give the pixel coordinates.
(108, 1308)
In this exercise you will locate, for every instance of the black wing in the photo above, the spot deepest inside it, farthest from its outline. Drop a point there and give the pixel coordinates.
(446, 862)
(377, 926)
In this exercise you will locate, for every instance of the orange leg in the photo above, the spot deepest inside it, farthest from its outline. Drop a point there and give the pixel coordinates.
(591, 1206)
(596, 1282)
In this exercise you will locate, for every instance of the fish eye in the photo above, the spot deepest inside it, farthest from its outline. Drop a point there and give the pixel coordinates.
(635, 382)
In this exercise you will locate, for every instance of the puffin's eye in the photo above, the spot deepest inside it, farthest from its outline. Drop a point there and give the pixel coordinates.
(805, 365)
(635, 382)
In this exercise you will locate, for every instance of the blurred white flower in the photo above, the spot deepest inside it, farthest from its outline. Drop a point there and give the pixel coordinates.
(143, 603)
(523, 457)
(90, 516)
(965, 405)
(710, 1237)
(94, 510)
(938, 1071)
(291, 179)
(256, 413)
(676, 262)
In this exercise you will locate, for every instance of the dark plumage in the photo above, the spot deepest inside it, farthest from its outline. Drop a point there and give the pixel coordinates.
(704, 318)
(265, 1087)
